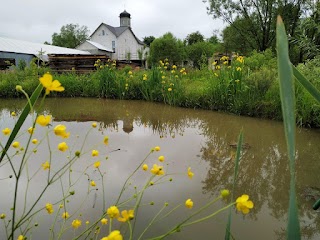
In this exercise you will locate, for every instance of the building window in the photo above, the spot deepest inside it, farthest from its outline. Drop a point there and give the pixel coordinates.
(114, 46)
(103, 33)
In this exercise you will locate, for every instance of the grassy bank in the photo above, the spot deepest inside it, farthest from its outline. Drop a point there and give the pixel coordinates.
(248, 86)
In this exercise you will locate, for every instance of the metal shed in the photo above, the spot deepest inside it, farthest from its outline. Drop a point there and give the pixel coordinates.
(12, 51)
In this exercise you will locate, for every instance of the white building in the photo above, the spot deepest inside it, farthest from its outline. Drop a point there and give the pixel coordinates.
(119, 43)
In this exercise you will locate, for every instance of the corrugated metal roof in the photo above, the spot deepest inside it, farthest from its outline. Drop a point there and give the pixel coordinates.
(99, 46)
(18, 46)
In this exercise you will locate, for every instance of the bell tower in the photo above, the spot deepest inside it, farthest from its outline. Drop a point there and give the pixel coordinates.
(125, 19)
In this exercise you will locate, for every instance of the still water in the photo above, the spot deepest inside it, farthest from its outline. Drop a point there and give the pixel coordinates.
(198, 139)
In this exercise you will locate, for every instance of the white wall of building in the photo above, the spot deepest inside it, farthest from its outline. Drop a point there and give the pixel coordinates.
(106, 39)
(127, 43)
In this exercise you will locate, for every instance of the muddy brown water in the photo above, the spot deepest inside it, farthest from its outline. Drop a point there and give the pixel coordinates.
(202, 140)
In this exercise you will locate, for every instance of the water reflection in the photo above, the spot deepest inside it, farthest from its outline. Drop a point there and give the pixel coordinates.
(204, 140)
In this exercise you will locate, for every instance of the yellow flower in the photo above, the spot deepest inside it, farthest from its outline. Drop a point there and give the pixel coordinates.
(76, 223)
(62, 146)
(161, 158)
(94, 124)
(92, 183)
(65, 215)
(218, 67)
(97, 164)
(174, 67)
(61, 206)
(106, 140)
(130, 73)
(238, 69)
(34, 141)
(216, 75)
(2, 216)
(114, 235)
(49, 208)
(45, 165)
(214, 63)
(16, 144)
(169, 89)
(113, 212)
(145, 167)
(60, 130)
(237, 81)
(157, 148)
(43, 120)
(13, 114)
(6, 131)
(21, 237)
(190, 174)
(225, 62)
(104, 221)
(87, 222)
(163, 77)
(95, 153)
(126, 216)
(189, 203)
(30, 130)
(240, 59)
(243, 204)
(157, 170)
(49, 85)
(225, 193)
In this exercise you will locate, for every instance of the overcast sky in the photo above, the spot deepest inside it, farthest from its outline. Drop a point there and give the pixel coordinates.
(37, 20)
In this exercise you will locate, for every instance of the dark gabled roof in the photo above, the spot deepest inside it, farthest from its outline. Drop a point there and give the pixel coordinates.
(117, 31)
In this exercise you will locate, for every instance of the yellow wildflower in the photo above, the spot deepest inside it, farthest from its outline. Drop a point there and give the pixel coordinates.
(243, 204)
(16, 144)
(225, 62)
(113, 212)
(157, 148)
(2, 216)
(106, 140)
(97, 164)
(225, 193)
(76, 223)
(61, 206)
(130, 73)
(65, 215)
(104, 221)
(49, 208)
(174, 67)
(145, 167)
(126, 216)
(95, 153)
(49, 85)
(34, 141)
(6, 131)
(13, 114)
(238, 69)
(43, 120)
(190, 174)
(94, 124)
(189, 203)
(169, 89)
(60, 130)
(62, 146)
(30, 130)
(240, 59)
(214, 63)
(21, 237)
(157, 170)
(161, 158)
(45, 165)
(92, 183)
(87, 222)
(218, 67)
(114, 235)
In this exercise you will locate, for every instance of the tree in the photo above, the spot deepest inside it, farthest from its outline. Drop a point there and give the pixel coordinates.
(168, 47)
(193, 38)
(148, 40)
(233, 41)
(199, 50)
(213, 39)
(70, 36)
(260, 17)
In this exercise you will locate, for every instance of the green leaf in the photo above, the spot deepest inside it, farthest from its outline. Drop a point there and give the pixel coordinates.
(35, 95)
(235, 176)
(306, 84)
(288, 111)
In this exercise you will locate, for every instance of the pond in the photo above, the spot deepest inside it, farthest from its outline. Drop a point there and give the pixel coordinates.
(202, 140)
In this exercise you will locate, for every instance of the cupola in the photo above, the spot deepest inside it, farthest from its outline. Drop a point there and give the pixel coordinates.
(125, 19)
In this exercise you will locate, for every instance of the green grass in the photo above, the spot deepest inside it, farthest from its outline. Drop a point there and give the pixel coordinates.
(253, 91)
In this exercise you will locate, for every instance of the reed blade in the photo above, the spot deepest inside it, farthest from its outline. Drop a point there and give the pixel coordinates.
(288, 111)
